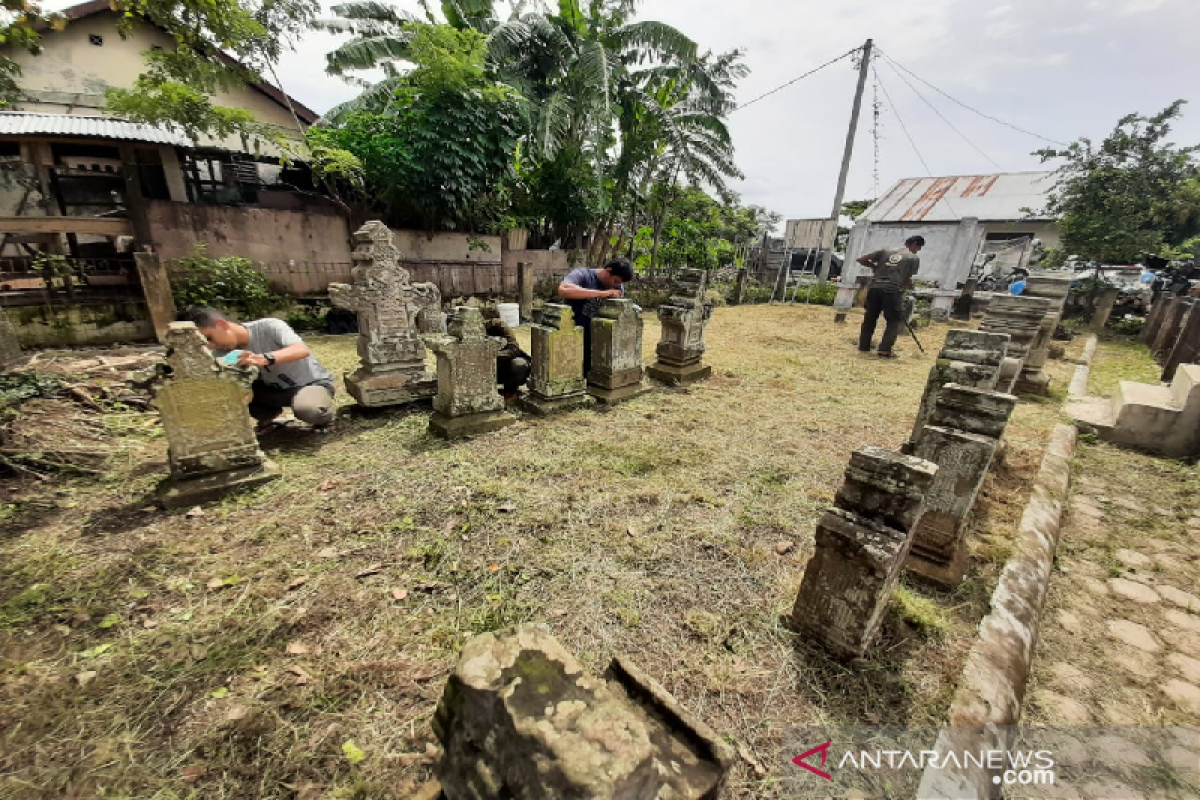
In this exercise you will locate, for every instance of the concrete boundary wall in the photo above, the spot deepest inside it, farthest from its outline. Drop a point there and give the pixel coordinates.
(992, 688)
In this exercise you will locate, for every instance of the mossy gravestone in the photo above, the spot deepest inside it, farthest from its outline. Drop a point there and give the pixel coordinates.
(616, 373)
(521, 720)
(467, 402)
(557, 383)
(683, 317)
(210, 435)
(388, 307)
(10, 348)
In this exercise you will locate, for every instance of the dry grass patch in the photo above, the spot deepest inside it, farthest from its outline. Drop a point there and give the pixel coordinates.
(237, 652)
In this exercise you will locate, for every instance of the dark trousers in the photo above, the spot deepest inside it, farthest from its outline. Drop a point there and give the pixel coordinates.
(312, 404)
(891, 305)
(512, 371)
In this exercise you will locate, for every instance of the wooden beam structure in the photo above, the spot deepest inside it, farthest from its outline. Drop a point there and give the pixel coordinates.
(96, 226)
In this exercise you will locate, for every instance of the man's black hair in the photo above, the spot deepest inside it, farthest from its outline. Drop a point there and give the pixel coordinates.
(917, 240)
(621, 268)
(202, 316)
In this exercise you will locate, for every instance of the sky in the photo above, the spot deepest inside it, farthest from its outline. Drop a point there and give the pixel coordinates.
(1058, 68)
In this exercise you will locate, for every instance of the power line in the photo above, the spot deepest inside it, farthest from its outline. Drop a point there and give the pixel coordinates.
(971, 108)
(941, 116)
(781, 87)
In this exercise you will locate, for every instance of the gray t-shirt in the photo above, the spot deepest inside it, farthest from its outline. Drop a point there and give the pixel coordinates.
(894, 268)
(267, 336)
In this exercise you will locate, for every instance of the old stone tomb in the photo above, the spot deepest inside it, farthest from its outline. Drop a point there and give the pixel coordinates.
(861, 545)
(520, 719)
(968, 358)
(1022, 318)
(467, 403)
(393, 368)
(212, 448)
(557, 383)
(616, 373)
(683, 317)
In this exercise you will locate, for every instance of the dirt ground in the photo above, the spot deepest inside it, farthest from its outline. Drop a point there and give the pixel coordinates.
(294, 641)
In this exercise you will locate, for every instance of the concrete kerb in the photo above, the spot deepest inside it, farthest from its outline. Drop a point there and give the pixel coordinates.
(992, 688)
(1083, 372)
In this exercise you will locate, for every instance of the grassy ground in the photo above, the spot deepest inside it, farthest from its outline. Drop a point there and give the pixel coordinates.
(293, 642)
(1120, 358)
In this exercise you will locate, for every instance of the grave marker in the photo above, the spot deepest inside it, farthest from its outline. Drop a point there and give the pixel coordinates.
(684, 317)
(467, 403)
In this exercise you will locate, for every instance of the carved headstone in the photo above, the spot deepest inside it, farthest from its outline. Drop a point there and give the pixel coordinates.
(683, 317)
(861, 545)
(963, 436)
(557, 383)
(393, 368)
(616, 373)
(1021, 318)
(207, 421)
(968, 358)
(467, 403)
(1054, 288)
(10, 348)
(521, 720)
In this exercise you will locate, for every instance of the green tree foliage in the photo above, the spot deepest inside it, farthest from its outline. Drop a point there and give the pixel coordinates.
(230, 284)
(1134, 193)
(701, 232)
(437, 158)
(854, 208)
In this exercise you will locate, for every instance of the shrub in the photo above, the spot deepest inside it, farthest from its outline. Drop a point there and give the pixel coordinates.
(716, 297)
(229, 284)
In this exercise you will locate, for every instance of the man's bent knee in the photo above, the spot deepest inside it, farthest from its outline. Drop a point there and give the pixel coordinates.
(314, 405)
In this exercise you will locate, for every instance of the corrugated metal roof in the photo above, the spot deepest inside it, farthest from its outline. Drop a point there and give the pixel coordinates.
(986, 197)
(20, 123)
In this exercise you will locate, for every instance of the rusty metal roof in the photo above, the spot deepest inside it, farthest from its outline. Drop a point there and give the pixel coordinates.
(20, 123)
(990, 198)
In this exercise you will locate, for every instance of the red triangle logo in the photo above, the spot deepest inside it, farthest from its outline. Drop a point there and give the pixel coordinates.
(823, 749)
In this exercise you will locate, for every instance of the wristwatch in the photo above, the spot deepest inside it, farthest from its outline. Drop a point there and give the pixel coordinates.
(270, 357)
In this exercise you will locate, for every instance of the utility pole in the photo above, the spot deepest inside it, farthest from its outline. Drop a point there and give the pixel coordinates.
(827, 257)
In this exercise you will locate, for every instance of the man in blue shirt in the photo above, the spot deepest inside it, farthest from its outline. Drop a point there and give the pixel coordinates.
(585, 289)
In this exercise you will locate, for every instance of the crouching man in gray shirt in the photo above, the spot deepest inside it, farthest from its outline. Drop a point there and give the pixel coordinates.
(288, 374)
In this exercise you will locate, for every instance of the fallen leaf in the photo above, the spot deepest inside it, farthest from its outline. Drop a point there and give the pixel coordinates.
(298, 649)
(493, 567)
(631, 531)
(98, 650)
(506, 508)
(109, 621)
(874, 719)
(745, 753)
(198, 652)
(329, 552)
(783, 548)
(87, 677)
(399, 594)
(236, 713)
(302, 676)
(195, 512)
(220, 693)
(64, 630)
(374, 569)
(296, 584)
(352, 752)
(193, 773)
(328, 485)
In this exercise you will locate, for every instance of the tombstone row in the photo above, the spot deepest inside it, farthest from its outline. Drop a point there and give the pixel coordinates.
(1172, 332)
(910, 511)
(398, 321)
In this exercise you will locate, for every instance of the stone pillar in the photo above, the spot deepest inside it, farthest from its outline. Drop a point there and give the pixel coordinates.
(10, 347)
(525, 281)
(1187, 345)
(616, 373)
(1103, 310)
(467, 403)
(210, 437)
(942, 303)
(1052, 287)
(1154, 321)
(557, 382)
(968, 358)
(977, 411)
(520, 719)
(390, 348)
(1168, 331)
(156, 287)
(861, 545)
(843, 301)
(1021, 318)
(684, 317)
(740, 292)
